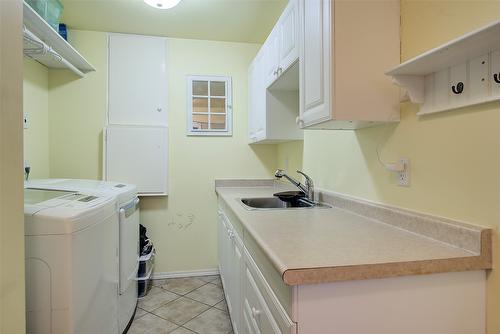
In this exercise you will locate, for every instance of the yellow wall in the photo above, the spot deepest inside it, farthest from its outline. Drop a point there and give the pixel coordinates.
(182, 225)
(454, 155)
(35, 105)
(12, 320)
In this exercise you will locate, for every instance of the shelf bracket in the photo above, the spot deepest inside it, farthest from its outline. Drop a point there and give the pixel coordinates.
(414, 85)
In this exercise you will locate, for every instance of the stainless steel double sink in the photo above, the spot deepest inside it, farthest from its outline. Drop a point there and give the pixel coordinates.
(273, 203)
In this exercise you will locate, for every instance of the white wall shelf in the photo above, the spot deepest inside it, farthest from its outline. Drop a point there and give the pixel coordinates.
(55, 51)
(460, 73)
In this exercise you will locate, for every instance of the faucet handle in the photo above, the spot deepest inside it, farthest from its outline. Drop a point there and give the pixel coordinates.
(279, 173)
(308, 179)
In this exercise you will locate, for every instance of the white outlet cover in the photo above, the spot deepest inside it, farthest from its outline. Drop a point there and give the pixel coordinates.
(404, 176)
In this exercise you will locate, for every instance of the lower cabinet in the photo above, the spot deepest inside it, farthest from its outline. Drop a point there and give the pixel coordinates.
(252, 306)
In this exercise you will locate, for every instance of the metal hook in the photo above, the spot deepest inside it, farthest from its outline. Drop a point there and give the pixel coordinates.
(496, 77)
(458, 89)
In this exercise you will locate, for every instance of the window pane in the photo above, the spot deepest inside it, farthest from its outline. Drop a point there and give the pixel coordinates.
(200, 122)
(218, 105)
(200, 88)
(218, 122)
(217, 88)
(200, 104)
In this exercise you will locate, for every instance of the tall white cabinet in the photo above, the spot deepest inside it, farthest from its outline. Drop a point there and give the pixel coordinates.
(136, 135)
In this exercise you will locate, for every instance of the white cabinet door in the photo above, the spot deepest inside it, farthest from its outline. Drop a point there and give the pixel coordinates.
(137, 155)
(257, 100)
(137, 83)
(289, 36)
(315, 85)
(272, 56)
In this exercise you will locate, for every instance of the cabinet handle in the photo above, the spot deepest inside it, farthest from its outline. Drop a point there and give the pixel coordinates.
(280, 70)
(496, 77)
(458, 89)
(299, 121)
(255, 313)
(275, 73)
(158, 109)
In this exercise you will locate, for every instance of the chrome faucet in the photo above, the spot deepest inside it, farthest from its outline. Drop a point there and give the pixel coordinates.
(308, 188)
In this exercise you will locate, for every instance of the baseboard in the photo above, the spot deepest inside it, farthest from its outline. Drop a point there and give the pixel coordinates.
(191, 273)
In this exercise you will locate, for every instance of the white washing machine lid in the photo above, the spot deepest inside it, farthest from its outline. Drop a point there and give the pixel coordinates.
(124, 192)
(65, 212)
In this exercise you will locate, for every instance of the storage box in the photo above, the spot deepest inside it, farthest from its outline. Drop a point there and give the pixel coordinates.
(49, 10)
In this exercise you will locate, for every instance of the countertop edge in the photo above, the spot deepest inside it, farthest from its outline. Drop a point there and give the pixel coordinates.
(318, 275)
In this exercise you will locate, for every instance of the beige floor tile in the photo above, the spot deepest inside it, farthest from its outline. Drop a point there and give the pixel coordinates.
(182, 286)
(208, 278)
(159, 282)
(222, 306)
(151, 324)
(213, 321)
(156, 298)
(182, 330)
(139, 312)
(181, 310)
(209, 294)
(217, 281)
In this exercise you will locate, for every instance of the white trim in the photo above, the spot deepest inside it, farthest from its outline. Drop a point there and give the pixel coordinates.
(228, 131)
(191, 273)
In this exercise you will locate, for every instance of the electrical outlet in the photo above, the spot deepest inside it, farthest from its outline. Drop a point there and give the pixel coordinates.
(404, 176)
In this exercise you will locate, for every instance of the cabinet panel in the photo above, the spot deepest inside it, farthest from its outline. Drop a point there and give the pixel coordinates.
(289, 48)
(272, 56)
(315, 58)
(137, 83)
(478, 73)
(256, 100)
(137, 155)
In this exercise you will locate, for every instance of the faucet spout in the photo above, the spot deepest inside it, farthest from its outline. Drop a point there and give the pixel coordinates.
(307, 189)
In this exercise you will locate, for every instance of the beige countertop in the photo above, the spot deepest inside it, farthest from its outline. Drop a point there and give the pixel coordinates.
(327, 245)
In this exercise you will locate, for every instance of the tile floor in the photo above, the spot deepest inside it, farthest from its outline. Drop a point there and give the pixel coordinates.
(193, 305)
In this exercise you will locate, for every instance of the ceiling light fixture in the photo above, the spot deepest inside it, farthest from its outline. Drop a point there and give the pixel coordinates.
(162, 4)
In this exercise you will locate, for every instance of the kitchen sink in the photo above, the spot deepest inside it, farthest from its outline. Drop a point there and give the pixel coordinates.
(269, 203)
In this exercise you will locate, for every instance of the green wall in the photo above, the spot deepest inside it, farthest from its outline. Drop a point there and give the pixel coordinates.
(35, 105)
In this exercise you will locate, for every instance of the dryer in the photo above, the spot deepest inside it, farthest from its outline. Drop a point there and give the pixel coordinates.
(128, 211)
(71, 262)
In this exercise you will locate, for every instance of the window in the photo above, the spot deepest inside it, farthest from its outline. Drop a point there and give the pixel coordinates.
(209, 106)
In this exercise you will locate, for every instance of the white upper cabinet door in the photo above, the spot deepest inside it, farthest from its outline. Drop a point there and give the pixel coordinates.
(137, 84)
(257, 99)
(315, 36)
(272, 56)
(289, 39)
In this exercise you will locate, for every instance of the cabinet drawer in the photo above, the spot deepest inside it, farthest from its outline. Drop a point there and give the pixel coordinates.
(261, 306)
(256, 311)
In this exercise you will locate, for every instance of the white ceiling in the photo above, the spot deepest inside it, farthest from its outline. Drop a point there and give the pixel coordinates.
(222, 20)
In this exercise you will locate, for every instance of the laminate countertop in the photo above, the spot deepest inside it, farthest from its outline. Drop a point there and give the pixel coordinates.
(308, 246)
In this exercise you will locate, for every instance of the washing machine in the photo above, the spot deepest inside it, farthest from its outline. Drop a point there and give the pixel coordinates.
(128, 211)
(71, 247)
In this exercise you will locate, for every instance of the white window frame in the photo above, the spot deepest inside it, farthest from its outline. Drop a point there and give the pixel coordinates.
(228, 131)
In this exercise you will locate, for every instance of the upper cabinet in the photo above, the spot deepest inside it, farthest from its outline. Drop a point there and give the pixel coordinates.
(345, 48)
(462, 72)
(137, 88)
(273, 96)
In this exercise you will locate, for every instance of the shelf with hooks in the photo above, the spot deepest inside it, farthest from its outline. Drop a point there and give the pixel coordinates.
(460, 73)
(45, 45)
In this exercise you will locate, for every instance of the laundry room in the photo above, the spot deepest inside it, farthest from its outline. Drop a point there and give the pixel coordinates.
(249, 166)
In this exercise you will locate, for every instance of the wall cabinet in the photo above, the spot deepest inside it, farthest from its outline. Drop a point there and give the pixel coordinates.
(137, 92)
(136, 133)
(273, 83)
(345, 47)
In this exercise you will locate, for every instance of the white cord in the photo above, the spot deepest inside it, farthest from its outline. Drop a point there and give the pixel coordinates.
(392, 167)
